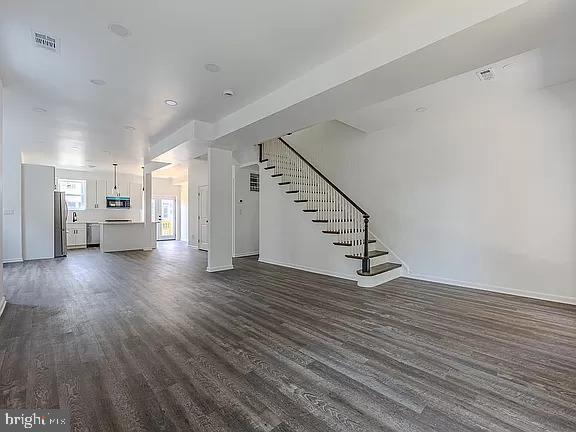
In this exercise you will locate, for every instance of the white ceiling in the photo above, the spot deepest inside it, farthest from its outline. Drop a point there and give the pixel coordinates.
(259, 44)
(520, 75)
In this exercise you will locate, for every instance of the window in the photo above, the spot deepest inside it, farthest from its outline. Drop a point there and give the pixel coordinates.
(75, 191)
(254, 182)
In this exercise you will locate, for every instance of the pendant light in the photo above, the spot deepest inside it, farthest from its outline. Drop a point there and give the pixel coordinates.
(115, 190)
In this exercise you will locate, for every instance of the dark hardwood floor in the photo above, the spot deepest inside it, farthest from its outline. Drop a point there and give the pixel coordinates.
(150, 341)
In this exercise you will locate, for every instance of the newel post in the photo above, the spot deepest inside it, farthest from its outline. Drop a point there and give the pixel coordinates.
(366, 258)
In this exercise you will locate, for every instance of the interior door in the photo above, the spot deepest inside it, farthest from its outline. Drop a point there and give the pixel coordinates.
(164, 212)
(203, 218)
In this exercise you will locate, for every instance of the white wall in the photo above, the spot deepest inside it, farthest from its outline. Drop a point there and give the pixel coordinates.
(480, 194)
(197, 176)
(288, 237)
(38, 211)
(12, 202)
(220, 208)
(2, 289)
(247, 210)
(184, 222)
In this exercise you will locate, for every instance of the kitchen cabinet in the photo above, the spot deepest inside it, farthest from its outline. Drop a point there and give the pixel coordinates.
(136, 196)
(91, 194)
(96, 191)
(101, 192)
(76, 235)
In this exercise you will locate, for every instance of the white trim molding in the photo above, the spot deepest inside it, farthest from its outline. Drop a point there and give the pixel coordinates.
(12, 260)
(495, 289)
(2, 305)
(219, 269)
(246, 254)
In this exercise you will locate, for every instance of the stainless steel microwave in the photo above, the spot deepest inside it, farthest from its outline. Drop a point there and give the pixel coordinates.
(117, 202)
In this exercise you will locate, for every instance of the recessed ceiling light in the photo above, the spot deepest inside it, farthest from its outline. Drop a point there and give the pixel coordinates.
(421, 109)
(170, 102)
(507, 66)
(228, 93)
(98, 82)
(75, 148)
(91, 166)
(130, 128)
(120, 30)
(211, 67)
(39, 109)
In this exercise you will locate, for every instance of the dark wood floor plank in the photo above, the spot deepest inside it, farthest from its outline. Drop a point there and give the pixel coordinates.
(149, 341)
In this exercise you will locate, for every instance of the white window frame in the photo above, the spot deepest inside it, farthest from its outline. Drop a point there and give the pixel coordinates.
(82, 195)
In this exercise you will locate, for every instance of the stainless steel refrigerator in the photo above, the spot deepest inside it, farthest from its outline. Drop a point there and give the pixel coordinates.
(60, 217)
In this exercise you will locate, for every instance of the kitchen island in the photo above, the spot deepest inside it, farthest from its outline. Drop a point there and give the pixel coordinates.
(125, 236)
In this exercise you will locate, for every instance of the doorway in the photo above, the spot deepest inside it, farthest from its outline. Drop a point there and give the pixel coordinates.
(164, 212)
(203, 218)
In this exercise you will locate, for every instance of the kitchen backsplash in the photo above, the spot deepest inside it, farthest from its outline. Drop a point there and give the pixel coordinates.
(100, 215)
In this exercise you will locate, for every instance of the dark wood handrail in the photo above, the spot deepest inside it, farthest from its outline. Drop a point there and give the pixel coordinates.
(356, 206)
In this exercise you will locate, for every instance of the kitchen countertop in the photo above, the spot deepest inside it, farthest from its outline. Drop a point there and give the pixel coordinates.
(121, 223)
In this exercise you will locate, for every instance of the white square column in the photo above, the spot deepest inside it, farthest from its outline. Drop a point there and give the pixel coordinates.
(149, 226)
(220, 208)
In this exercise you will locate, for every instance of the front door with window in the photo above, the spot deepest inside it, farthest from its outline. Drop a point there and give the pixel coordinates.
(164, 212)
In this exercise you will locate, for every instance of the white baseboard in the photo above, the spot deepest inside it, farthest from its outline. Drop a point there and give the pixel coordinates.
(2, 305)
(496, 289)
(193, 246)
(246, 254)
(12, 260)
(219, 269)
(309, 269)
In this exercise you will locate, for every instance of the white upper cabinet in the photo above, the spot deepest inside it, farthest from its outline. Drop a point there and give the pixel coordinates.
(136, 196)
(91, 194)
(101, 189)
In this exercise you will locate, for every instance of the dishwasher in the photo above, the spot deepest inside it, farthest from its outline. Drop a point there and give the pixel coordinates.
(93, 234)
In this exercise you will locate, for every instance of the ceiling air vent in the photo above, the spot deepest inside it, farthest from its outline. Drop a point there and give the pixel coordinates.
(486, 75)
(42, 40)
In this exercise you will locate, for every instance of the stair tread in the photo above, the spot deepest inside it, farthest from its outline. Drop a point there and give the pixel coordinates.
(300, 201)
(284, 183)
(379, 269)
(320, 221)
(277, 175)
(292, 191)
(264, 160)
(350, 244)
(309, 211)
(371, 254)
(270, 167)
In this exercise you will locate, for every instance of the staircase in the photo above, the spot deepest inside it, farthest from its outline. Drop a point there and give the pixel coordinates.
(338, 216)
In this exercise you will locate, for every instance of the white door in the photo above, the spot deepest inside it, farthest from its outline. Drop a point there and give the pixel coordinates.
(203, 218)
(164, 212)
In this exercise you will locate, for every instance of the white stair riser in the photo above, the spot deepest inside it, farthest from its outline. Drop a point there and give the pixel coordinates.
(382, 259)
(373, 281)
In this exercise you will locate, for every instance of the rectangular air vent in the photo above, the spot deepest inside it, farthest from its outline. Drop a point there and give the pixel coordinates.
(486, 75)
(42, 40)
